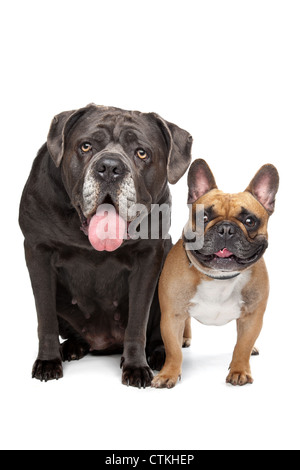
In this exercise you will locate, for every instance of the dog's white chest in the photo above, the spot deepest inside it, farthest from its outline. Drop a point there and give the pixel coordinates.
(219, 302)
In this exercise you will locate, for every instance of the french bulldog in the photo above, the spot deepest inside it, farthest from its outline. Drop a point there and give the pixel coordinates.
(226, 279)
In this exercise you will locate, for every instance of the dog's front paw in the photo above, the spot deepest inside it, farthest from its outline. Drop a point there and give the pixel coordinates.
(47, 370)
(137, 376)
(239, 377)
(165, 380)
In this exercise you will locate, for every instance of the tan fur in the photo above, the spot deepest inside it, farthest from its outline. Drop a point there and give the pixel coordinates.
(178, 285)
(228, 206)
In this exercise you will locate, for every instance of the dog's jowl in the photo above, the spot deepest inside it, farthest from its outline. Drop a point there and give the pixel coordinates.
(225, 279)
(98, 292)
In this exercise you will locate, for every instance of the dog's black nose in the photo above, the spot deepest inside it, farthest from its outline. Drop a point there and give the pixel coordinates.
(110, 168)
(226, 230)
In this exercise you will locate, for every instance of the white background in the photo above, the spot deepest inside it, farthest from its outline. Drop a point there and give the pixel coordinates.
(228, 72)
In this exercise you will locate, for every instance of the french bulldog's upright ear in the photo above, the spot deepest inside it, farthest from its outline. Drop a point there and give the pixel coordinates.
(60, 126)
(264, 187)
(180, 145)
(200, 180)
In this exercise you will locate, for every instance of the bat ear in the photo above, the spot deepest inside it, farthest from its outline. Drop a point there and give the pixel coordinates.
(60, 126)
(200, 180)
(264, 187)
(180, 144)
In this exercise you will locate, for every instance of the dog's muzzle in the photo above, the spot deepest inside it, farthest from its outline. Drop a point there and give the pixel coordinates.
(108, 177)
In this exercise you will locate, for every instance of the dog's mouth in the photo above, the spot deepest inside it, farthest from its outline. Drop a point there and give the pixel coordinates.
(85, 221)
(225, 260)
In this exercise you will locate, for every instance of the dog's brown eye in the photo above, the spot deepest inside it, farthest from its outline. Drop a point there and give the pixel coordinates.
(205, 218)
(250, 222)
(86, 147)
(142, 154)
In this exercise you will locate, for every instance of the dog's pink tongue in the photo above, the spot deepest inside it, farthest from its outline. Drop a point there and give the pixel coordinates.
(224, 253)
(106, 230)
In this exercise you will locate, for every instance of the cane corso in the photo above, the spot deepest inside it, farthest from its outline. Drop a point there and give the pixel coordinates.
(100, 299)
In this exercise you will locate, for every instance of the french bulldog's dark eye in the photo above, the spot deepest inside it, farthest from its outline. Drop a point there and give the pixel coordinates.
(86, 147)
(142, 154)
(205, 218)
(250, 222)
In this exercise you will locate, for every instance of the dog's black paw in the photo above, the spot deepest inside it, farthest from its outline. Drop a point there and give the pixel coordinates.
(73, 350)
(47, 370)
(157, 358)
(140, 377)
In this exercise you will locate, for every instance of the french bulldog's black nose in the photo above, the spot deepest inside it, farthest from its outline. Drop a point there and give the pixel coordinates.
(226, 230)
(110, 168)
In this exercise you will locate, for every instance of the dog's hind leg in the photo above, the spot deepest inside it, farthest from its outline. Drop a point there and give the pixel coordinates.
(75, 347)
(155, 350)
(187, 334)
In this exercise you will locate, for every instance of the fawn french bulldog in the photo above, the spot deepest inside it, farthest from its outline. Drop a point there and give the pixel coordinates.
(226, 279)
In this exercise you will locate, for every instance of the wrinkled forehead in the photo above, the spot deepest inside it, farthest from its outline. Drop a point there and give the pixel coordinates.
(115, 123)
(231, 205)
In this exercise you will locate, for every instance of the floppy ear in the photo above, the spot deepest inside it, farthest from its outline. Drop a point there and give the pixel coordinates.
(264, 187)
(200, 180)
(60, 126)
(180, 144)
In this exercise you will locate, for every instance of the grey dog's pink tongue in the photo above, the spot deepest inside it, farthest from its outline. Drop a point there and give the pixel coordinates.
(106, 230)
(224, 253)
